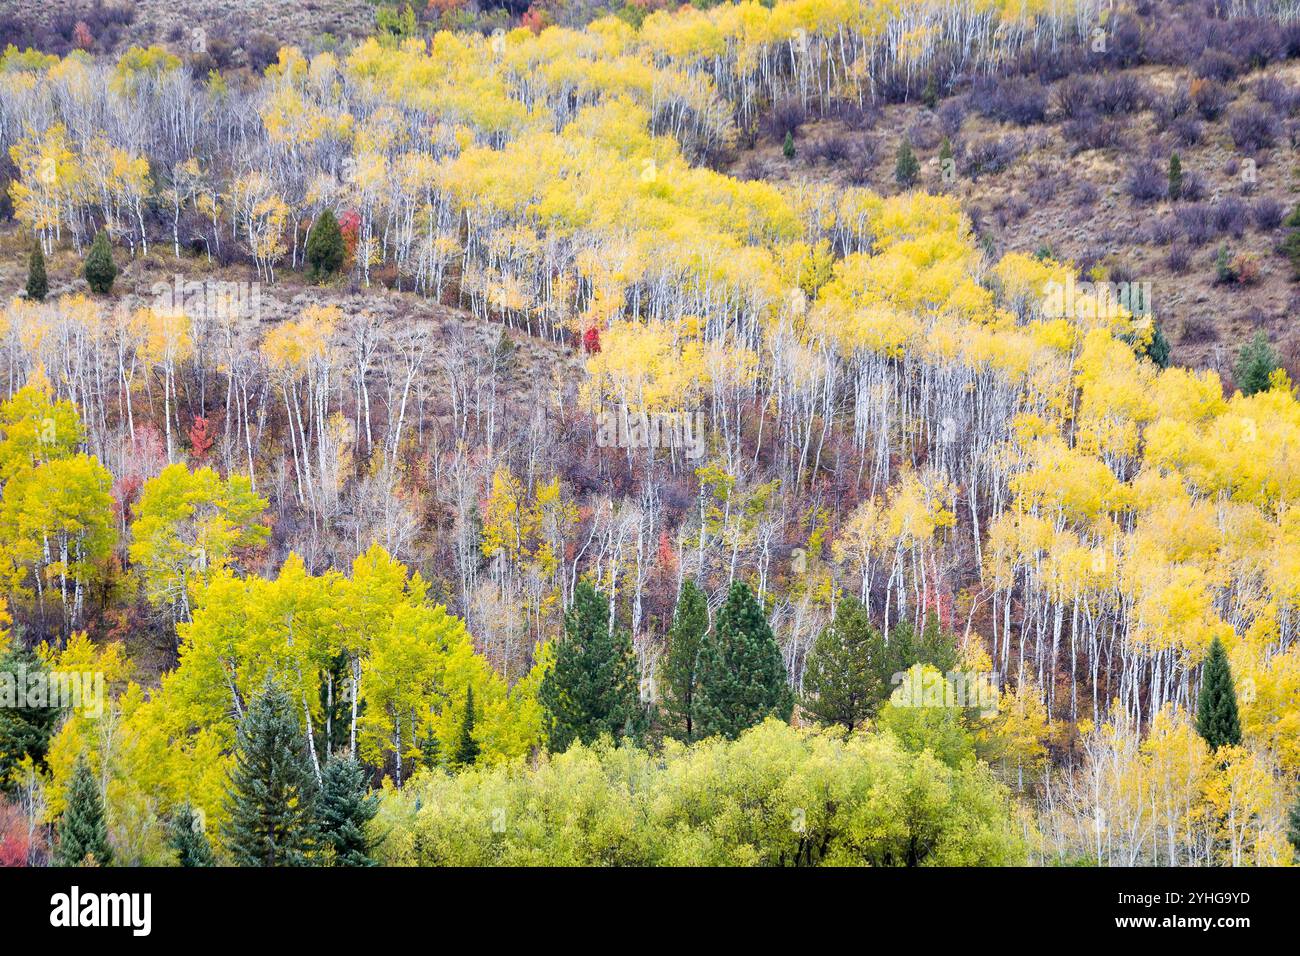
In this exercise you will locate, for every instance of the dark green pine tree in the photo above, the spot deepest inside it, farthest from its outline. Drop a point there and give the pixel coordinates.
(1216, 710)
(37, 285)
(344, 812)
(592, 687)
(99, 269)
(1157, 350)
(681, 663)
(325, 248)
(271, 795)
(844, 678)
(186, 837)
(83, 832)
(903, 649)
(335, 704)
(24, 731)
(906, 165)
(1256, 362)
(741, 673)
(1293, 827)
(467, 748)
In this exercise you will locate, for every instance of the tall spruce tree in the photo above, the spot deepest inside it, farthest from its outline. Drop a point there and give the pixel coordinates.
(99, 269)
(903, 649)
(1256, 362)
(344, 812)
(186, 838)
(25, 731)
(1216, 711)
(83, 832)
(906, 166)
(1293, 827)
(325, 248)
(592, 687)
(467, 748)
(681, 664)
(38, 287)
(271, 795)
(844, 679)
(742, 677)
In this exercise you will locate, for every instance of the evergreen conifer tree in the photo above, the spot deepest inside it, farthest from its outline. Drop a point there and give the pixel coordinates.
(37, 285)
(1293, 827)
(742, 677)
(344, 811)
(24, 731)
(681, 663)
(1256, 362)
(844, 679)
(906, 166)
(467, 748)
(1175, 176)
(592, 687)
(99, 269)
(83, 832)
(325, 248)
(1216, 710)
(271, 795)
(186, 837)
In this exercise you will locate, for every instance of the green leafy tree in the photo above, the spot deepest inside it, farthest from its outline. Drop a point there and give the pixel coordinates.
(787, 147)
(325, 248)
(99, 270)
(592, 687)
(188, 526)
(681, 664)
(467, 748)
(271, 795)
(344, 812)
(906, 166)
(741, 673)
(38, 287)
(844, 678)
(923, 725)
(1256, 362)
(1216, 709)
(187, 840)
(83, 832)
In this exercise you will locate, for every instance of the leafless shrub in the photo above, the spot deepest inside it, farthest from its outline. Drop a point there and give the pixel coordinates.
(1267, 213)
(1146, 183)
(1252, 127)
